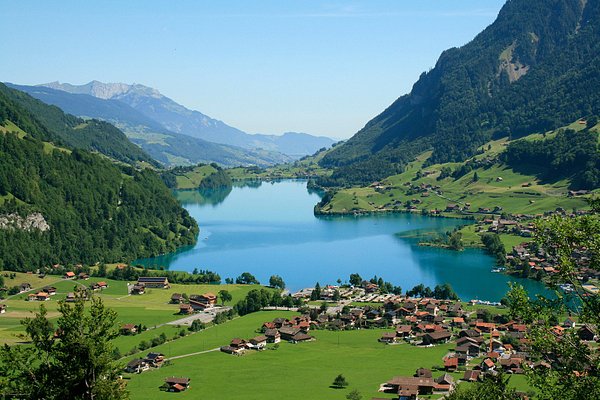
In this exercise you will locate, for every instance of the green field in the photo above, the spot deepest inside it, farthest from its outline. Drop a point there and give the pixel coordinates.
(192, 179)
(497, 186)
(300, 371)
(150, 309)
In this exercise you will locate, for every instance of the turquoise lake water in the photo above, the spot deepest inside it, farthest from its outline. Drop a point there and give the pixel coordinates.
(269, 228)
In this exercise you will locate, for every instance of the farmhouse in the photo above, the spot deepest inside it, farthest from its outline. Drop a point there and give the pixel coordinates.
(99, 285)
(154, 282)
(50, 290)
(206, 300)
(177, 384)
(155, 359)
(273, 335)
(2, 308)
(138, 289)
(69, 275)
(436, 337)
(137, 366)
(83, 276)
(24, 287)
(408, 387)
(186, 309)
(128, 329)
(177, 298)
(258, 343)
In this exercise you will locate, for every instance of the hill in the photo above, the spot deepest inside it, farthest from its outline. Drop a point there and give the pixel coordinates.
(534, 69)
(178, 119)
(62, 204)
(168, 147)
(61, 128)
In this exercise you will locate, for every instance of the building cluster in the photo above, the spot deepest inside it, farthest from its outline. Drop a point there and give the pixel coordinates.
(479, 347)
(194, 302)
(295, 330)
(149, 282)
(139, 365)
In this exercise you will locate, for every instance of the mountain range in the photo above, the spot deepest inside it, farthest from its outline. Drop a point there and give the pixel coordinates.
(536, 68)
(153, 120)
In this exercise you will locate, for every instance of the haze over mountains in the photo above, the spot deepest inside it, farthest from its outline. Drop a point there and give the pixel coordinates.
(534, 69)
(158, 124)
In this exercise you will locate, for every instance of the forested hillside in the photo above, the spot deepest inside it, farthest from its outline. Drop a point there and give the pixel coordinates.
(95, 210)
(61, 128)
(534, 69)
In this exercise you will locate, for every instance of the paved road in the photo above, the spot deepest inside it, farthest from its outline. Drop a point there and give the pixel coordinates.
(193, 354)
(204, 316)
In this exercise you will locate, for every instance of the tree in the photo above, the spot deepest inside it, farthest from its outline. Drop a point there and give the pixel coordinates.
(339, 382)
(354, 395)
(355, 279)
(475, 177)
(455, 241)
(72, 359)
(492, 388)
(276, 281)
(247, 278)
(225, 296)
(323, 307)
(316, 293)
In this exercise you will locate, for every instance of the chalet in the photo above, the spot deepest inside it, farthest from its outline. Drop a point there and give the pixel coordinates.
(186, 309)
(177, 384)
(198, 306)
(155, 359)
(470, 333)
(273, 336)
(301, 337)
(512, 364)
(154, 282)
(177, 298)
(451, 364)
(99, 285)
(207, 300)
(488, 365)
(587, 332)
(2, 308)
(137, 366)
(42, 296)
(50, 290)
(287, 332)
(233, 350)
(128, 329)
(389, 338)
(452, 207)
(444, 383)
(409, 387)
(455, 310)
(436, 337)
(458, 321)
(258, 343)
(138, 289)
(471, 375)
(83, 276)
(404, 331)
(569, 323)
(486, 327)
(69, 275)
(470, 349)
(70, 297)
(24, 287)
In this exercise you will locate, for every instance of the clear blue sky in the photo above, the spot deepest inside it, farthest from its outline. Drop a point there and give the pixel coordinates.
(322, 67)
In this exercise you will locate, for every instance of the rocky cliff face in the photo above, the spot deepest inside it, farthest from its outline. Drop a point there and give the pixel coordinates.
(35, 221)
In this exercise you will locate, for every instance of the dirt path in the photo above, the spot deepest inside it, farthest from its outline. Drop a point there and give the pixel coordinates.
(193, 354)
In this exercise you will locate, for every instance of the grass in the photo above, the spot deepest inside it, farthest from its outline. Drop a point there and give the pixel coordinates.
(192, 179)
(151, 309)
(302, 371)
(356, 354)
(497, 186)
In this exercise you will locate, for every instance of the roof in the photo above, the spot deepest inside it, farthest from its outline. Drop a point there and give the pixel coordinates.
(439, 335)
(405, 381)
(451, 362)
(258, 339)
(152, 279)
(446, 378)
(70, 273)
(173, 380)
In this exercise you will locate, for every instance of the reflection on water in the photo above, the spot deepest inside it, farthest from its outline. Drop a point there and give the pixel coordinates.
(270, 228)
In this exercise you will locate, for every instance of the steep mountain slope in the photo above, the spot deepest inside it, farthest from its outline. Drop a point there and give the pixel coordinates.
(167, 147)
(176, 118)
(85, 208)
(66, 129)
(534, 69)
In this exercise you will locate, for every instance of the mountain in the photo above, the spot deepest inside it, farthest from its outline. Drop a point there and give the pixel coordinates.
(167, 147)
(93, 135)
(60, 203)
(534, 69)
(178, 119)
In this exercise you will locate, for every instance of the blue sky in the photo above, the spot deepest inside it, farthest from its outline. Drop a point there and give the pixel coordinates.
(322, 67)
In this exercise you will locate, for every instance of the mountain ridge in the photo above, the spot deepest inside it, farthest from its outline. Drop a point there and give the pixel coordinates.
(177, 118)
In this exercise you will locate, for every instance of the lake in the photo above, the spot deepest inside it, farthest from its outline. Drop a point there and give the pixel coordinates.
(269, 228)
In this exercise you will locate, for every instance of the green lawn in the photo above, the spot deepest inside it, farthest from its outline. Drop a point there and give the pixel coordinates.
(356, 354)
(151, 309)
